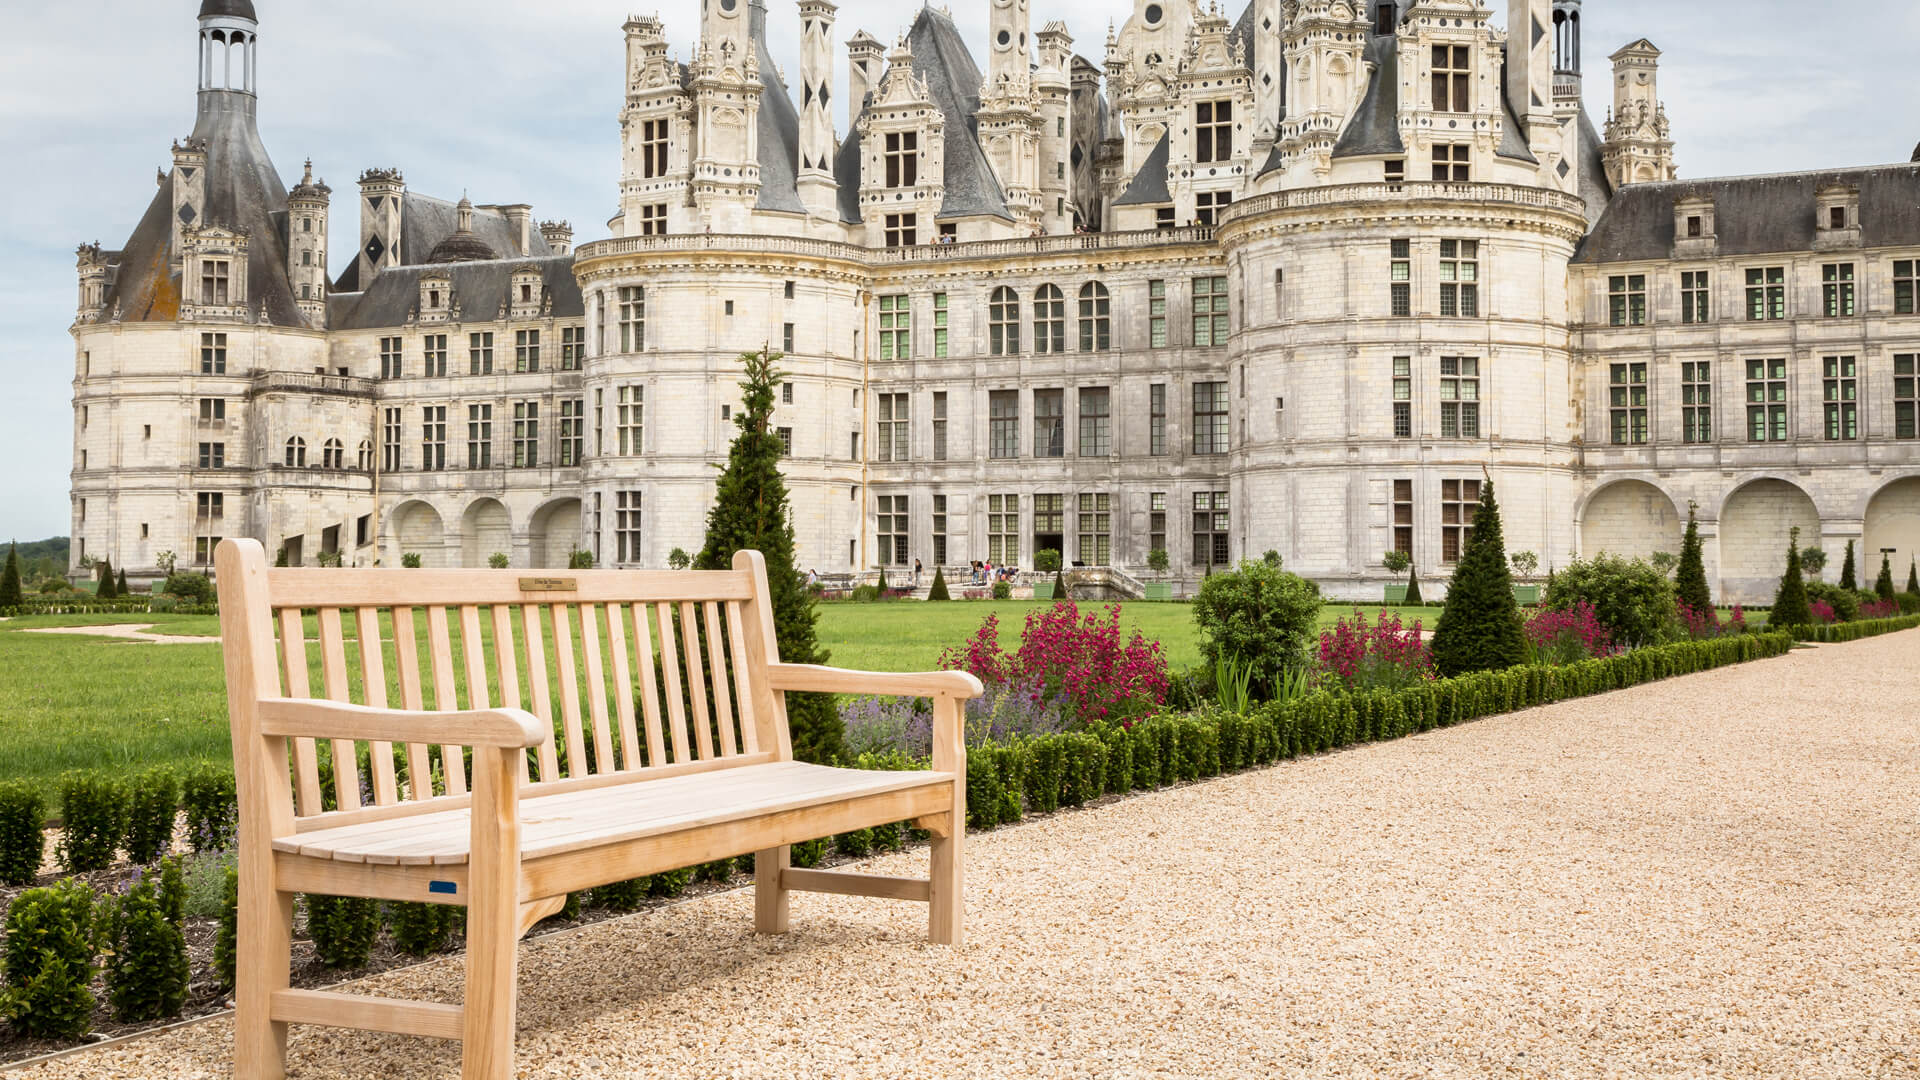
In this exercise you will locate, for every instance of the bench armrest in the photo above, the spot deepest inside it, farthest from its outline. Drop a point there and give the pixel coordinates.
(319, 719)
(826, 680)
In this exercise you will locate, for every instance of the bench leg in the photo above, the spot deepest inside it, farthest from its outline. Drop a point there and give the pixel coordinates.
(265, 963)
(769, 895)
(493, 924)
(943, 893)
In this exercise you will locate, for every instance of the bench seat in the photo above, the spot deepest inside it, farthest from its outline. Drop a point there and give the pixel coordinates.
(579, 820)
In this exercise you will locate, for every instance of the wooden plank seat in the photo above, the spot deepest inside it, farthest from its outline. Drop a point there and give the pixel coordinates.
(584, 728)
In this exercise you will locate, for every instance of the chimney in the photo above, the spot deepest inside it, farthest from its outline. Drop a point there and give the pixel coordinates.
(519, 226)
(559, 236)
(865, 59)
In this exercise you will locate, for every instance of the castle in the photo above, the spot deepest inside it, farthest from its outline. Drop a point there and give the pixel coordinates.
(1294, 282)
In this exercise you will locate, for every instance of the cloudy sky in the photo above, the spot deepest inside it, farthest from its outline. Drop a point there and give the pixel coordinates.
(517, 102)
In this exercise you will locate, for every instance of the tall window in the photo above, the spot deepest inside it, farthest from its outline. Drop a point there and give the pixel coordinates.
(1696, 401)
(1400, 278)
(1460, 277)
(1452, 79)
(1836, 290)
(1403, 397)
(1049, 524)
(599, 421)
(1003, 529)
(1212, 131)
(1049, 320)
(1459, 501)
(653, 148)
(480, 354)
(1209, 205)
(1210, 418)
(902, 155)
(1840, 393)
(213, 354)
(390, 358)
(626, 526)
(214, 277)
(433, 438)
(939, 530)
(1157, 420)
(786, 338)
(940, 325)
(1906, 276)
(1695, 307)
(896, 328)
(890, 524)
(1767, 400)
(208, 524)
(526, 434)
(890, 438)
(1210, 311)
(1459, 397)
(1096, 528)
(1003, 423)
(390, 436)
(1766, 293)
(653, 220)
(1157, 521)
(213, 412)
(902, 230)
(213, 455)
(1211, 522)
(1403, 516)
(1157, 314)
(1906, 401)
(573, 431)
(1003, 322)
(939, 425)
(1096, 422)
(1049, 424)
(1627, 300)
(1451, 163)
(296, 456)
(435, 348)
(633, 318)
(479, 436)
(526, 350)
(333, 454)
(573, 347)
(1627, 405)
(630, 418)
(1095, 318)
(366, 455)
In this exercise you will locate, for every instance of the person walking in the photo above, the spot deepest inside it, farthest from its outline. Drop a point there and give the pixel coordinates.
(916, 573)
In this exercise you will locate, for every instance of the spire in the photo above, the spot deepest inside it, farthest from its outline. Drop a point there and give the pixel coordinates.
(465, 210)
(229, 39)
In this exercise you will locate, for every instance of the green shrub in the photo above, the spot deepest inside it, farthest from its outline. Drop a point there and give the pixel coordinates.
(1046, 561)
(1909, 602)
(226, 942)
(204, 876)
(1913, 576)
(678, 559)
(1790, 601)
(23, 810)
(1479, 628)
(1847, 578)
(11, 595)
(1158, 561)
(1690, 580)
(1261, 614)
(105, 590)
(421, 929)
(674, 882)
(1883, 585)
(621, 896)
(213, 808)
(50, 949)
(153, 800)
(1413, 585)
(805, 855)
(1844, 602)
(147, 962)
(497, 560)
(93, 811)
(1002, 590)
(938, 591)
(1854, 631)
(193, 588)
(1630, 597)
(865, 594)
(718, 872)
(410, 560)
(343, 929)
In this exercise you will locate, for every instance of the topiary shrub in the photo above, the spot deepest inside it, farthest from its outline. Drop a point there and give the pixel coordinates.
(213, 808)
(11, 595)
(343, 929)
(1883, 585)
(410, 560)
(1847, 578)
(105, 590)
(1259, 615)
(152, 801)
(497, 560)
(1158, 561)
(1790, 601)
(579, 559)
(421, 929)
(147, 967)
(1413, 585)
(1630, 597)
(93, 809)
(23, 810)
(1913, 576)
(678, 559)
(1046, 561)
(938, 591)
(1002, 591)
(1690, 580)
(50, 948)
(621, 895)
(194, 588)
(1479, 628)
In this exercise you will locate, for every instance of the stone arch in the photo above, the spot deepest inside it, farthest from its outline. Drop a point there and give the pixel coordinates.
(484, 529)
(1630, 518)
(1755, 522)
(417, 529)
(1892, 521)
(555, 533)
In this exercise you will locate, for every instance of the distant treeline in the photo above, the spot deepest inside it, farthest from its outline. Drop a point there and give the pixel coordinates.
(42, 558)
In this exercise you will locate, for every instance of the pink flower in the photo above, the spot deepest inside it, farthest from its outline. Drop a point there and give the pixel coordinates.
(1384, 654)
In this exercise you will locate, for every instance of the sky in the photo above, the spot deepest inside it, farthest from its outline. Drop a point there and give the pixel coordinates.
(517, 102)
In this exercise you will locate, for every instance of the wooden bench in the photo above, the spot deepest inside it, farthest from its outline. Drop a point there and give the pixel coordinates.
(699, 768)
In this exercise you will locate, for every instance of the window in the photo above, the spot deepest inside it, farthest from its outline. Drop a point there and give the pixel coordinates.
(1459, 277)
(1837, 217)
(890, 524)
(785, 435)
(949, 232)
(1696, 401)
(526, 434)
(788, 287)
(1840, 392)
(526, 350)
(786, 337)
(1049, 320)
(1383, 17)
(940, 325)
(390, 358)
(214, 274)
(940, 425)
(1163, 218)
(390, 436)
(210, 510)
(896, 329)
(333, 454)
(1906, 273)
(902, 230)
(1209, 205)
(653, 220)
(1459, 501)
(1906, 402)
(1627, 404)
(633, 318)
(573, 430)
(1403, 397)
(1049, 424)
(1157, 420)
(890, 435)
(902, 156)
(630, 418)
(1210, 526)
(1696, 227)
(1450, 163)
(573, 347)
(213, 411)
(1694, 305)
(1157, 521)
(1766, 293)
(213, 455)
(1049, 524)
(594, 525)
(1157, 314)
(1459, 397)
(626, 527)
(599, 421)
(1626, 300)
(435, 348)
(1401, 278)
(363, 530)
(1767, 400)
(1003, 322)
(1003, 529)
(1096, 422)
(1096, 528)
(1452, 80)
(653, 148)
(1212, 131)
(296, 456)
(213, 354)
(1403, 517)
(366, 455)
(786, 393)
(479, 436)
(1210, 418)
(1836, 289)
(1003, 423)
(480, 354)
(1210, 311)
(939, 530)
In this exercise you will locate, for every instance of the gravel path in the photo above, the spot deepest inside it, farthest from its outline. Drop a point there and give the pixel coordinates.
(125, 631)
(1706, 877)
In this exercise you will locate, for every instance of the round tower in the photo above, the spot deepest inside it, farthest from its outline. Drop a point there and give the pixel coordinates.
(229, 43)
(307, 246)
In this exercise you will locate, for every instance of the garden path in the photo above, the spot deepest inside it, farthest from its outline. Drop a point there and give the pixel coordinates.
(1708, 876)
(126, 631)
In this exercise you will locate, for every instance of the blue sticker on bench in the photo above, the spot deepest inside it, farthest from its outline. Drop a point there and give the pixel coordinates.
(447, 887)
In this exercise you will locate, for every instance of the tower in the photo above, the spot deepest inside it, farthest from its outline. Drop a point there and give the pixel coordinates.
(817, 190)
(1052, 83)
(1269, 78)
(229, 39)
(726, 104)
(307, 246)
(1325, 43)
(1638, 149)
(1530, 43)
(1566, 94)
(381, 194)
(1008, 49)
(865, 58)
(1009, 116)
(656, 135)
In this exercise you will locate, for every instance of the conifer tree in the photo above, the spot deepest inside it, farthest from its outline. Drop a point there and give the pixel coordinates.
(105, 590)
(1848, 580)
(1883, 585)
(1413, 586)
(1690, 580)
(1790, 602)
(1913, 578)
(10, 593)
(120, 587)
(939, 589)
(750, 511)
(1479, 628)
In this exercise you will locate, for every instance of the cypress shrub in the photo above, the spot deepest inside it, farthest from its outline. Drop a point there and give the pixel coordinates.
(1790, 602)
(152, 801)
(1913, 576)
(621, 895)
(343, 929)
(147, 968)
(1479, 628)
(1690, 580)
(93, 807)
(1883, 585)
(213, 808)
(1413, 585)
(1847, 579)
(421, 929)
(22, 845)
(939, 589)
(51, 944)
(120, 589)
(11, 595)
(104, 591)
(226, 942)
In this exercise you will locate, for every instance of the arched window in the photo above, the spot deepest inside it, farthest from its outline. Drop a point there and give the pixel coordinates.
(1049, 320)
(296, 453)
(1003, 322)
(1096, 328)
(366, 455)
(333, 455)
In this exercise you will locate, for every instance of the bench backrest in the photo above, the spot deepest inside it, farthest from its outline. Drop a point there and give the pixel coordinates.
(635, 671)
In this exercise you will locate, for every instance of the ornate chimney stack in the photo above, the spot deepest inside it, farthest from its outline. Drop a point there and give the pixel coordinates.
(817, 189)
(382, 192)
(866, 58)
(559, 236)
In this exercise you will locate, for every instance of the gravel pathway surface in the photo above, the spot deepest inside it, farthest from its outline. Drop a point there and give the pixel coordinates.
(125, 631)
(1704, 877)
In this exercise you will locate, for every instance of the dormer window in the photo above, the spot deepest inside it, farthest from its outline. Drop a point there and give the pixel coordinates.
(1836, 217)
(526, 293)
(215, 275)
(902, 158)
(1383, 18)
(653, 148)
(1212, 131)
(433, 298)
(1694, 226)
(1452, 79)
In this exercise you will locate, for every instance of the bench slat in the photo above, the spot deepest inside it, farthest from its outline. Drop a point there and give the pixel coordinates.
(670, 665)
(373, 680)
(700, 718)
(717, 664)
(306, 760)
(538, 689)
(622, 684)
(508, 671)
(743, 683)
(596, 676)
(560, 617)
(446, 696)
(366, 1013)
(649, 686)
(333, 674)
(406, 657)
(309, 587)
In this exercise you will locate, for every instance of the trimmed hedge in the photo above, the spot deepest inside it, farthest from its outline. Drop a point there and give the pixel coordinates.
(1854, 631)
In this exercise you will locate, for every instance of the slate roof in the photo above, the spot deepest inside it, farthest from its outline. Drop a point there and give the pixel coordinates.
(1375, 128)
(1756, 215)
(1595, 188)
(478, 287)
(1513, 139)
(426, 221)
(1149, 185)
(779, 126)
(239, 9)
